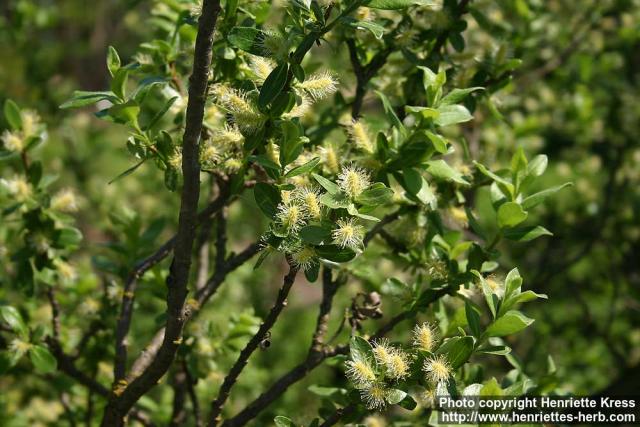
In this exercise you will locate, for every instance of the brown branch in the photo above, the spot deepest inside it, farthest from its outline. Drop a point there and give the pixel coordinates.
(316, 355)
(55, 312)
(179, 413)
(178, 277)
(126, 307)
(252, 345)
(192, 394)
(202, 296)
(338, 414)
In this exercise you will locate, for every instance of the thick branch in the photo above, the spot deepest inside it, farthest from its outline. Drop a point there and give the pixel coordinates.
(118, 407)
(126, 307)
(252, 345)
(202, 296)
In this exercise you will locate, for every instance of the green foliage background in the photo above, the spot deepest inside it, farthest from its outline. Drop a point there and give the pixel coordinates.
(573, 97)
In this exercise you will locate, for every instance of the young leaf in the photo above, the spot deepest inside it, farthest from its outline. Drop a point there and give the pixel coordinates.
(113, 61)
(452, 114)
(537, 198)
(361, 350)
(525, 234)
(511, 214)
(331, 187)
(511, 322)
(441, 169)
(302, 169)
(457, 95)
(13, 318)
(12, 114)
(42, 359)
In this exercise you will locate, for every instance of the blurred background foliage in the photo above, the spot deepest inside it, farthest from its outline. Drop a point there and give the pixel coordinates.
(573, 97)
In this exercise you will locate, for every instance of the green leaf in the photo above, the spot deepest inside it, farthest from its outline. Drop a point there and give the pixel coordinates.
(398, 4)
(408, 403)
(513, 321)
(13, 318)
(82, 98)
(113, 61)
(490, 297)
(391, 114)
(457, 95)
(512, 283)
(511, 214)
(119, 82)
(376, 29)
(311, 273)
(504, 185)
(537, 165)
(525, 234)
(248, 39)
(395, 396)
(266, 163)
(491, 388)
(268, 198)
(291, 144)
(537, 198)
(12, 114)
(417, 187)
(336, 201)
(439, 143)
(68, 237)
(498, 350)
(126, 113)
(457, 350)
(376, 194)
(42, 359)
(473, 318)
(128, 172)
(273, 85)
(282, 421)
(335, 253)
(331, 187)
(441, 170)
(361, 350)
(527, 296)
(452, 114)
(315, 234)
(302, 169)
(156, 118)
(426, 112)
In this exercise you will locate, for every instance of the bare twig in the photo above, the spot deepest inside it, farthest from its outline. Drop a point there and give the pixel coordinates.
(317, 354)
(195, 405)
(252, 345)
(119, 405)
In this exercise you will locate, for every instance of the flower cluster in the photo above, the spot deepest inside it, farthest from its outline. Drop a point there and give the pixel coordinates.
(384, 367)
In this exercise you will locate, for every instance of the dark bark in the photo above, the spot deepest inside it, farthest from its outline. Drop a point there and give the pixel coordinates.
(119, 405)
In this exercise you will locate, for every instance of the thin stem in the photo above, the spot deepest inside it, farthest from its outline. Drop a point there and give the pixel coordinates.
(252, 345)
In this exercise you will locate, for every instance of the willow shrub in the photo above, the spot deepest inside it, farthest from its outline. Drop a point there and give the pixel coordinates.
(340, 161)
